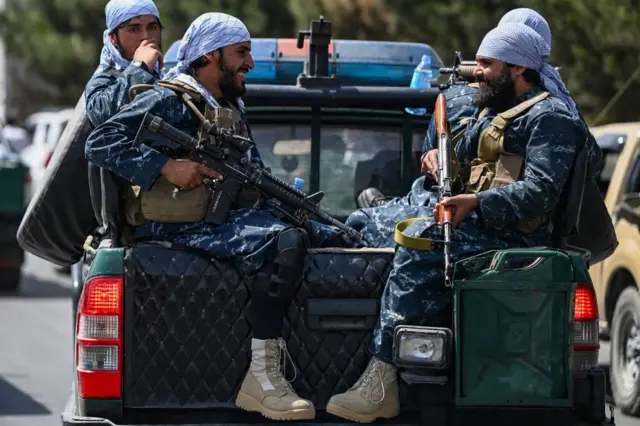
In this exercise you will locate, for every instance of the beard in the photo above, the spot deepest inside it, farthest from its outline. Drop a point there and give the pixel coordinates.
(496, 94)
(230, 89)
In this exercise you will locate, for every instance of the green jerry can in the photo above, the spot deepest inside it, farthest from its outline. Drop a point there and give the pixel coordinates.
(516, 328)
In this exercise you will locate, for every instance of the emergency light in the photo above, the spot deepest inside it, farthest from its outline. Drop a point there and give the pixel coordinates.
(366, 63)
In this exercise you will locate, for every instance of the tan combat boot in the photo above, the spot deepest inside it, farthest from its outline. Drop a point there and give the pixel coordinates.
(265, 389)
(374, 395)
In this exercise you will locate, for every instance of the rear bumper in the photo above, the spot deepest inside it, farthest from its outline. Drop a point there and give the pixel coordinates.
(473, 417)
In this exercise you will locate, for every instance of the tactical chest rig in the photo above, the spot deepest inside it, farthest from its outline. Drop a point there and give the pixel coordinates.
(164, 202)
(496, 168)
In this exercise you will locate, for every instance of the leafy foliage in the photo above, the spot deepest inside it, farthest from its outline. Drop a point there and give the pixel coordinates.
(594, 43)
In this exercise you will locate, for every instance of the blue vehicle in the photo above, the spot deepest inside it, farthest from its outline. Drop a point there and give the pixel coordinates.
(357, 63)
(161, 335)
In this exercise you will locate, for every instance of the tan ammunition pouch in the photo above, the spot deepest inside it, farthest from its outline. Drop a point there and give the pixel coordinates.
(496, 168)
(165, 203)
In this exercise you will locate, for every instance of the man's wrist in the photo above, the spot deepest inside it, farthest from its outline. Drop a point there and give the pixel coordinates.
(140, 64)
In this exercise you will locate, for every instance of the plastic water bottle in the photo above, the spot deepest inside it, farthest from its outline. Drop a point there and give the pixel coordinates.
(298, 183)
(421, 79)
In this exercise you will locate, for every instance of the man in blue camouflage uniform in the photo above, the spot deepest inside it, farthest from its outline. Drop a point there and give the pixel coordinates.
(131, 55)
(490, 214)
(459, 109)
(214, 57)
(379, 217)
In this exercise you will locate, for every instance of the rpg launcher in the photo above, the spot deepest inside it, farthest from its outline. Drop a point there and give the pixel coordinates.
(461, 72)
(445, 181)
(226, 153)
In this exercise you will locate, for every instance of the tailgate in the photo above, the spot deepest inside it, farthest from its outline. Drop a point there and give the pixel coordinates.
(188, 340)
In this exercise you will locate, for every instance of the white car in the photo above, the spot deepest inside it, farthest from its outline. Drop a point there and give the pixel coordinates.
(44, 129)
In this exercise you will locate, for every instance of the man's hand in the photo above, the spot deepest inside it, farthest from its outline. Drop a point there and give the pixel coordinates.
(463, 204)
(149, 53)
(187, 174)
(430, 164)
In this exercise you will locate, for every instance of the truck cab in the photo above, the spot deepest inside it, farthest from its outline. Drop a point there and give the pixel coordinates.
(161, 335)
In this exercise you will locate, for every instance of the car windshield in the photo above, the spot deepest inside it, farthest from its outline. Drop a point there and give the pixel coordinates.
(351, 159)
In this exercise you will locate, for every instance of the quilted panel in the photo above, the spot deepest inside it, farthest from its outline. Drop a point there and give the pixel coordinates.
(187, 338)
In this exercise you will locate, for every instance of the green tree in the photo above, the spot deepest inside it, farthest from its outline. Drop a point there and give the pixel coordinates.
(59, 42)
(594, 43)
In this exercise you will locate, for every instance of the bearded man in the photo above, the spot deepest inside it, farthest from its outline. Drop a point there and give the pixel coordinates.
(209, 81)
(512, 187)
(460, 109)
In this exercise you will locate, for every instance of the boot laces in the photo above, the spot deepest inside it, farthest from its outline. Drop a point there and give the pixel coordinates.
(278, 368)
(372, 377)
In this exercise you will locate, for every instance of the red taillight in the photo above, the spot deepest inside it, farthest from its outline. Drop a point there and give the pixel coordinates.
(586, 306)
(99, 338)
(586, 338)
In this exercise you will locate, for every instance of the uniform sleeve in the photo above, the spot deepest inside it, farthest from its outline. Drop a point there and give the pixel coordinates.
(596, 158)
(105, 94)
(550, 152)
(458, 108)
(111, 145)
(430, 138)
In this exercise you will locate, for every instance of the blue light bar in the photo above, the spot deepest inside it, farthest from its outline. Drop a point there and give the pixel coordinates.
(365, 63)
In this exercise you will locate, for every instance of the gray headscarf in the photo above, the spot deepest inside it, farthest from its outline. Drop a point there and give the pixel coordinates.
(518, 44)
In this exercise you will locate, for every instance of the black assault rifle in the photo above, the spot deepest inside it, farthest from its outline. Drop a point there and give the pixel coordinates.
(445, 180)
(228, 156)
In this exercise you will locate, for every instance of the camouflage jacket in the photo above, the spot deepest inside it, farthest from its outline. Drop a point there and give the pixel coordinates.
(548, 136)
(459, 106)
(111, 145)
(107, 91)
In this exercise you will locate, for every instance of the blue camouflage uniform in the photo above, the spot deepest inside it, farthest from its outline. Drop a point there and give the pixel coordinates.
(108, 89)
(107, 92)
(459, 106)
(378, 222)
(247, 232)
(548, 135)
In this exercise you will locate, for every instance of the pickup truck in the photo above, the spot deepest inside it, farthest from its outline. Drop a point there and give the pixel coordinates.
(616, 279)
(161, 335)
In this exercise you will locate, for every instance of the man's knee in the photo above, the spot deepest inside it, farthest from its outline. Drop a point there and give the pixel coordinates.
(286, 270)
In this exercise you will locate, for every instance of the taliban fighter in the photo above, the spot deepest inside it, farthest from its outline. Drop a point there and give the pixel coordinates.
(377, 220)
(131, 55)
(214, 57)
(542, 138)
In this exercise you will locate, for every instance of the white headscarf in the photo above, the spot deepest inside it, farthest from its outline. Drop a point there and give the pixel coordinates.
(209, 32)
(518, 44)
(117, 12)
(531, 19)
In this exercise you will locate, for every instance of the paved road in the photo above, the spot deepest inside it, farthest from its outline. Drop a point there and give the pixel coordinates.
(36, 355)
